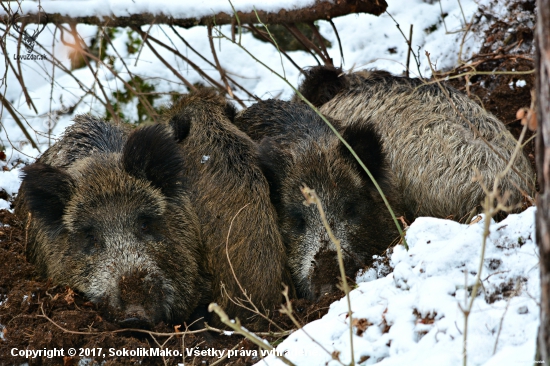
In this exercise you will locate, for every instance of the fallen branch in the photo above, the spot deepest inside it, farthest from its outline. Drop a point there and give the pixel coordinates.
(323, 9)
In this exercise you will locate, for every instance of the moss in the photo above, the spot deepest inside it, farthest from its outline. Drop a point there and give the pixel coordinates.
(123, 97)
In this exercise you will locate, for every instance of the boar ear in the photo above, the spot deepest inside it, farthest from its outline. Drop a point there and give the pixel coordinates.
(181, 125)
(366, 143)
(152, 153)
(321, 84)
(273, 163)
(230, 111)
(187, 107)
(46, 191)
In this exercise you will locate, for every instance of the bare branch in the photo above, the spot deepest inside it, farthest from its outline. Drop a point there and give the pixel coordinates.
(220, 68)
(267, 39)
(323, 9)
(8, 107)
(210, 63)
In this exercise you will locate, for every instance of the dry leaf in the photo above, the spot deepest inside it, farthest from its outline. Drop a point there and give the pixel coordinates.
(69, 297)
(361, 325)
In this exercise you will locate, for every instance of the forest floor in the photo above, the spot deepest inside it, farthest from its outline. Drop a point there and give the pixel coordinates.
(35, 314)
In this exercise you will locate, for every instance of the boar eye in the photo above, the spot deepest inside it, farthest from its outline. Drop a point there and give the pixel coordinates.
(298, 220)
(91, 243)
(350, 210)
(144, 226)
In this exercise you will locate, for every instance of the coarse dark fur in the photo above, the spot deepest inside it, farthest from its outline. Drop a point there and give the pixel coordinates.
(111, 218)
(231, 197)
(297, 147)
(431, 147)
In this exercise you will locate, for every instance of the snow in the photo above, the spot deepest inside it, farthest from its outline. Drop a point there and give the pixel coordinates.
(176, 9)
(10, 181)
(414, 311)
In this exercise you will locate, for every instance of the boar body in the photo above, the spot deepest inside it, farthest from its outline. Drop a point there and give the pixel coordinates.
(231, 196)
(429, 138)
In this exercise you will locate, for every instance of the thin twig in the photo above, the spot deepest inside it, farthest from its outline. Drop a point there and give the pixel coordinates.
(143, 43)
(21, 81)
(19, 75)
(225, 355)
(208, 62)
(287, 310)
(312, 198)
(8, 107)
(227, 249)
(143, 101)
(302, 43)
(81, 51)
(492, 204)
(190, 86)
(65, 330)
(283, 333)
(308, 45)
(321, 40)
(272, 39)
(409, 42)
(416, 58)
(192, 64)
(262, 35)
(238, 20)
(236, 326)
(255, 309)
(50, 119)
(220, 69)
(339, 42)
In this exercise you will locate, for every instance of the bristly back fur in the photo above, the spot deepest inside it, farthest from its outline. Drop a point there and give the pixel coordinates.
(88, 136)
(427, 136)
(228, 190)
(180, 122)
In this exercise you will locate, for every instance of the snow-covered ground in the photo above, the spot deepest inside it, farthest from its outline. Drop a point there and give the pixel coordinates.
(413, 316)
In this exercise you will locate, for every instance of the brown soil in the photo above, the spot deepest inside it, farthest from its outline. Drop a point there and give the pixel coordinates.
(509, 47)
(37, 315)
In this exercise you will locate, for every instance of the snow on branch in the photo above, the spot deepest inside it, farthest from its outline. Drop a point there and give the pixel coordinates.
(128, 13)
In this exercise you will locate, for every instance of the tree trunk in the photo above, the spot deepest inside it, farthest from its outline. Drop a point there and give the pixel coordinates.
(543, 167)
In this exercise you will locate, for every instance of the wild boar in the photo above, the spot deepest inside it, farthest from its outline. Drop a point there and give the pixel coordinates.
(298, 148)
(111, 218)
(433, 137)
(231, 196)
